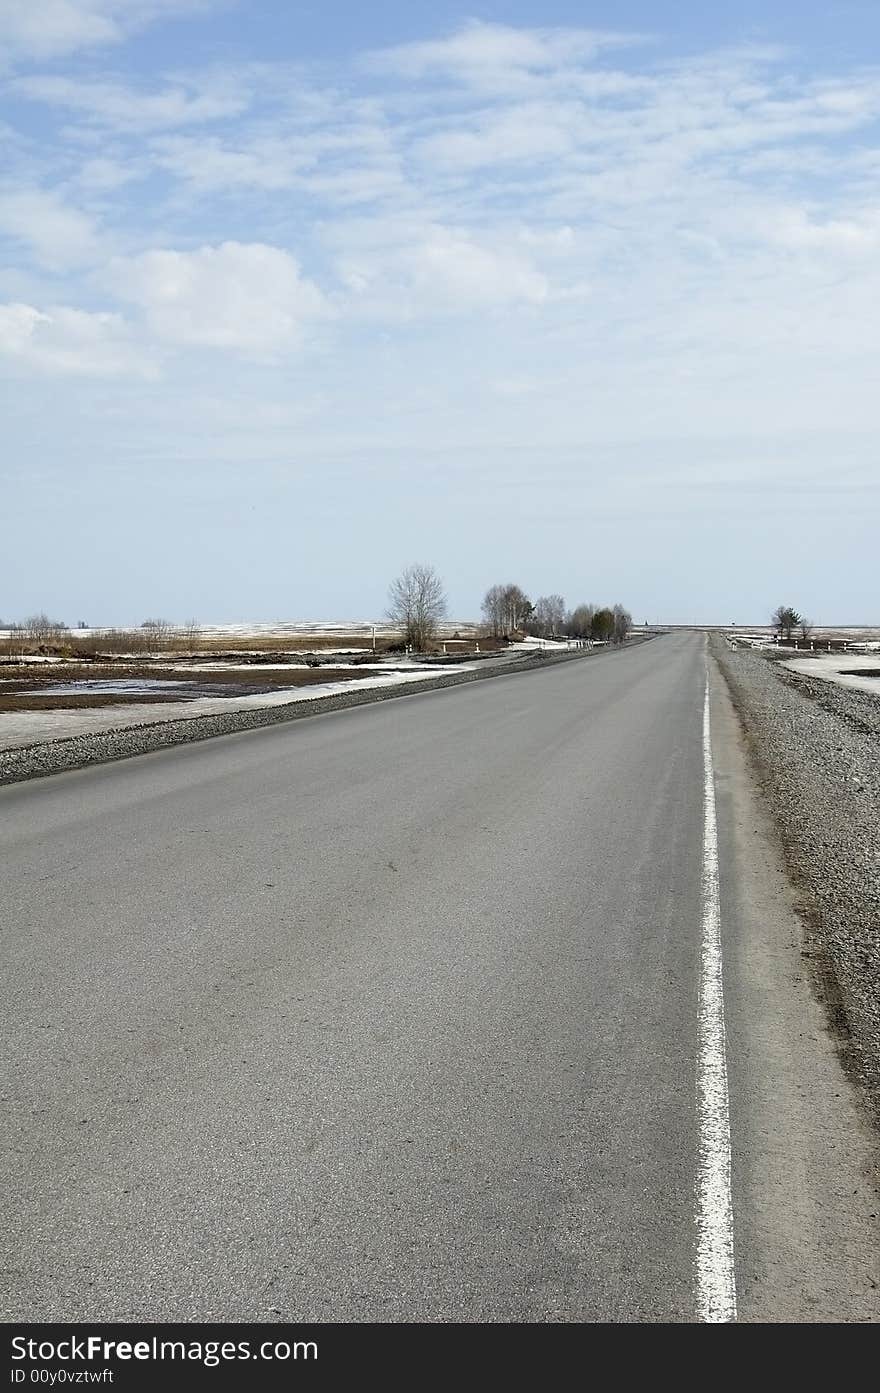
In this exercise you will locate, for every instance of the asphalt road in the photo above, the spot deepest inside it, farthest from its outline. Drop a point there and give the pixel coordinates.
(392, 1014)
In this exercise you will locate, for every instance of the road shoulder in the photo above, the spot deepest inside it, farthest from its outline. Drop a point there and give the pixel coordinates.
(804, 1152)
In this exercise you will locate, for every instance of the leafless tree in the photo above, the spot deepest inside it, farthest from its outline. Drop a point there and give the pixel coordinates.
(190, 633)
(417, 602)
(39, 628)
(505, 609)
(549, 616)
(493, 611)
(806, 627)
(15, 645)
(156, 632)
(518, 608)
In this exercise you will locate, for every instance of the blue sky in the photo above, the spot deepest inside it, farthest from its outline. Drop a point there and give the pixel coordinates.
(580, 296)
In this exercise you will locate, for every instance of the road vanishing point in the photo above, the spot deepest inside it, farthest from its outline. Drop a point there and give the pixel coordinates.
(482, 1004)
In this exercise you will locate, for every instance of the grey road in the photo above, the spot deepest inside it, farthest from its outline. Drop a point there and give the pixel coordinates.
(392, 1014)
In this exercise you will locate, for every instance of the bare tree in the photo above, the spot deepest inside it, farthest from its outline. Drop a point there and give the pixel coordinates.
(493, 611)
(190, 633)
(806, 627)
(15, 645)
(417, 602)
(39, 628)
(506, 608)
(156, 632)
(39, 632)
(518, 607)
(549, 616)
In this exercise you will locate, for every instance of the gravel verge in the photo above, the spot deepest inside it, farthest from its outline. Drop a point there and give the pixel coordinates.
(56, 756)
(816, 750)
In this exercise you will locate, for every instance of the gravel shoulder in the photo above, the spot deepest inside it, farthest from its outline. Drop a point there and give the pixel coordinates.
(98, 747)
(816, 750)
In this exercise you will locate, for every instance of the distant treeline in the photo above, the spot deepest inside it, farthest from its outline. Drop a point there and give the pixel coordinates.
(507, 609)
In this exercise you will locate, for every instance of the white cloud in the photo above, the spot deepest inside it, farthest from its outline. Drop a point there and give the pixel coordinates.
(450, 264)
(653, 221)
(794, 228)
(403, 270)
(268, 163)
(569, 276)
(559, 240)
(103, 174)
(665, 125)
(177, 103)
(481, 52)
(51, 28)
(247, 297)
(59, 237)
(71, 342)
(530, 132)
(344, 159)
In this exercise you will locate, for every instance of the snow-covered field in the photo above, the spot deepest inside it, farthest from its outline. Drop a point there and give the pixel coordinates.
(833, 668)
(298, 628)
(856, 640)
(21, 728)
(288, 628)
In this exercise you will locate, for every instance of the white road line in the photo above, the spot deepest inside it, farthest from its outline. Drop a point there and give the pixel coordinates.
(715, 1277)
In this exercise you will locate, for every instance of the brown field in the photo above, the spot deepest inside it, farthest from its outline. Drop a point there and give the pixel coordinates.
(225, 643)
(190, 656)
(133, 643)
(83, 701)
(20, 691)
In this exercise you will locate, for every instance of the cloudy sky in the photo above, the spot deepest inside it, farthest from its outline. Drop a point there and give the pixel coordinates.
(583, 296)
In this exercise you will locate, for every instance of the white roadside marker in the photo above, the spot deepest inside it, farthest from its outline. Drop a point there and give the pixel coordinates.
(715, 1278)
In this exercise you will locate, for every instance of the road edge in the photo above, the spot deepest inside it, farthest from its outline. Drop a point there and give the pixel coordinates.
(41, 760)
(804, 1160)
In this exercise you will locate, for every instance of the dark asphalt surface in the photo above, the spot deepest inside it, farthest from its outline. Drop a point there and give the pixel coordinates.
(389, 1014)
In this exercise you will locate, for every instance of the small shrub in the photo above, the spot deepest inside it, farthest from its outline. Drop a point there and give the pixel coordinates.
(15, 644)
(190, 633)
(157, 632)
(41, 631)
